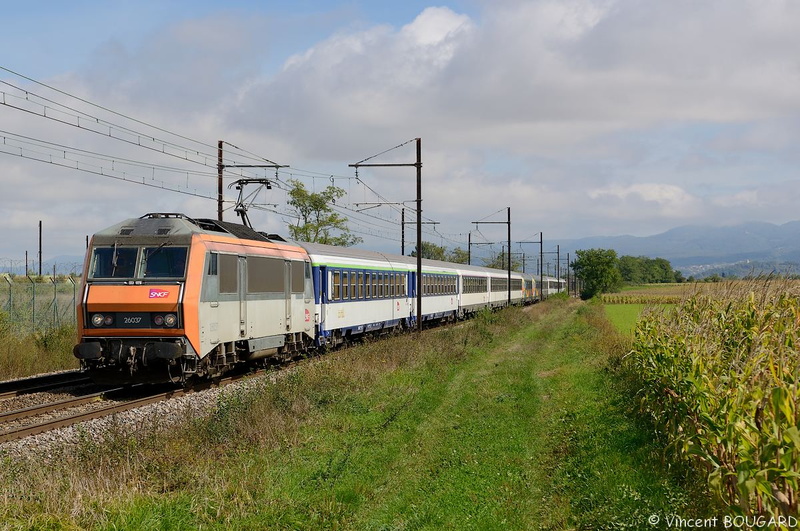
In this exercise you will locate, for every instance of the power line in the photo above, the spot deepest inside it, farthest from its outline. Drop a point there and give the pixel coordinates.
(110, 173)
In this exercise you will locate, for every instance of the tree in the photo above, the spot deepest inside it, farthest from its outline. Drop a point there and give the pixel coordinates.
(631, 269)
(500, 261)
(645, 270)
(458, 256)
(599, 271)
(431, 251)
(317, 221)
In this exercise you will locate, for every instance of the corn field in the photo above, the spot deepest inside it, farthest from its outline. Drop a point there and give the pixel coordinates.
(719, 379)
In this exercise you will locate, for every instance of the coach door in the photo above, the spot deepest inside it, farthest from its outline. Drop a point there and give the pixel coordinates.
(242, 296)
(287, 292)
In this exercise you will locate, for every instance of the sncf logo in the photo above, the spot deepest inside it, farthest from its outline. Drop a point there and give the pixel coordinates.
(158, 294)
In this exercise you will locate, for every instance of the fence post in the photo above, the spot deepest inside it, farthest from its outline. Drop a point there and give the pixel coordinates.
(33, 306)
(10, 297)
(74, 301)
(55, 300)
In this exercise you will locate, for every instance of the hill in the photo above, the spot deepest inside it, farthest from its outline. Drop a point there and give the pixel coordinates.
(701, 250)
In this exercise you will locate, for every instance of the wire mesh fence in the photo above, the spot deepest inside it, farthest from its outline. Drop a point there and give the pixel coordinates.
(30, 304)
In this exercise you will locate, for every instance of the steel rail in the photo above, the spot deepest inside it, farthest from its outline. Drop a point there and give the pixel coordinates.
(118, 407)
(38, 384)
(51, 406)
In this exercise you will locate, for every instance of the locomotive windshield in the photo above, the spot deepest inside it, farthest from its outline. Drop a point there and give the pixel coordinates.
(163, 262)
(113, 262)
(155, 262)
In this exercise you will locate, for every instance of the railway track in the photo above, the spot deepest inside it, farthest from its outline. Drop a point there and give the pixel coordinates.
(38, 384)
(119, 400)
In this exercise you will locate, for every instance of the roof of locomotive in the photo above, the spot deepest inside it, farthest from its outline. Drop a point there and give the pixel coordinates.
(178, 227)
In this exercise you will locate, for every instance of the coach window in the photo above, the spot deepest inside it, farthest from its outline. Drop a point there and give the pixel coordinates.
(345, 285)
(337, 285)
(212, 268)
(298, 277)
(266, 274)
(353, 286)
(360, 285)
(228, 273)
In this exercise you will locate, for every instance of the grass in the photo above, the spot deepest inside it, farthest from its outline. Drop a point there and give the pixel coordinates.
(25, 354)
(516, 420)
(624, 316)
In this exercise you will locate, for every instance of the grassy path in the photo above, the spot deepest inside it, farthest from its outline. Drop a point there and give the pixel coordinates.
(528, 430)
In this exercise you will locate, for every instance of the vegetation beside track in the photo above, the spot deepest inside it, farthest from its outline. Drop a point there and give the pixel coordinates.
(515, 420)
(719, 377)
(28, 353)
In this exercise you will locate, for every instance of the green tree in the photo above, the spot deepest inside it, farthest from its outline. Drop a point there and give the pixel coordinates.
(317, 222)
(458, 256)
(431, 251)
(598, 269)
(630, 268)
(500, 261)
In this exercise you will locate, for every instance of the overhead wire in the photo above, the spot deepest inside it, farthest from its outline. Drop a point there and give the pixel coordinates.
(48, 108)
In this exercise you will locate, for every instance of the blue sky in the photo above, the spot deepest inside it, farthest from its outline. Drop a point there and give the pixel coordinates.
(586, 117)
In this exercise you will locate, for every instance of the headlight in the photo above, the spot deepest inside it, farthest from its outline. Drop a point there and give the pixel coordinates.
(158, 320)
(108, 321)
(170, 320)
(97, 320)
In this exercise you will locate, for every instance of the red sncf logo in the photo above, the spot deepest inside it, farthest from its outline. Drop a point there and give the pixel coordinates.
(158, 294)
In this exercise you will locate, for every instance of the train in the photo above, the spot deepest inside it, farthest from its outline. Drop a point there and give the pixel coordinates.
(169, 298)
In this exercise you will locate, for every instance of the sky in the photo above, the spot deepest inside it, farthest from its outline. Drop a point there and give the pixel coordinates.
(585, 117)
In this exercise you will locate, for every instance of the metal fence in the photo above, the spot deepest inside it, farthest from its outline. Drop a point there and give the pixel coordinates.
(30, 304)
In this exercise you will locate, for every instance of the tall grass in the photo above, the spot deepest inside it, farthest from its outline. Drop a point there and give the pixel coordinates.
(27, 352)
(719, 378)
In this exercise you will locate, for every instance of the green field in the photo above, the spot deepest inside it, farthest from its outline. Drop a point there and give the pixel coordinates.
(515, 420)
(624, 316)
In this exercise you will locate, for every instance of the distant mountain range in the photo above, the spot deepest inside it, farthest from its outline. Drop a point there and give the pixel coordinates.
(753, 247)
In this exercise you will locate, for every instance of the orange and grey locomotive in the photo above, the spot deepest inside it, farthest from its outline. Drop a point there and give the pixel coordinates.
(166, 297)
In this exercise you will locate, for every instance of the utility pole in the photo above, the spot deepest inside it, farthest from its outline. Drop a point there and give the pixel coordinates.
(221, 167)
(418, 165)
(40, 247)
(403, 232)
(539, 265)
(509, 246)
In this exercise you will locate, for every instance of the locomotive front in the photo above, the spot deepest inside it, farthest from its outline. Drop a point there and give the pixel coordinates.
(131, 318)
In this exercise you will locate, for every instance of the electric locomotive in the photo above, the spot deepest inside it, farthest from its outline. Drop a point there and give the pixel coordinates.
(166, 298)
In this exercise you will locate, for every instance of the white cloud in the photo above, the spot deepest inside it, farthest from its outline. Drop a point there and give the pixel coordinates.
(585, 116)
(667, 200)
